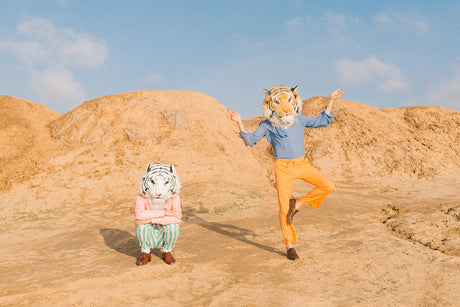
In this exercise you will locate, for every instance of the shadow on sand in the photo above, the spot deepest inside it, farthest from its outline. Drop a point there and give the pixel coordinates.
(126, 243)
(231, 231)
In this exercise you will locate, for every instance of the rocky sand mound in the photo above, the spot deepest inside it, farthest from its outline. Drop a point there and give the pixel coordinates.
(109, 140)
(106, 143)
(25, 139)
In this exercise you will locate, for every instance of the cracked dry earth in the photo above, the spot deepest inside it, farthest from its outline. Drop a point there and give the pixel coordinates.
(435, 226)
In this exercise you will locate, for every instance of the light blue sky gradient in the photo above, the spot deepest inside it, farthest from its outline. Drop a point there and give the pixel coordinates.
(387, 53)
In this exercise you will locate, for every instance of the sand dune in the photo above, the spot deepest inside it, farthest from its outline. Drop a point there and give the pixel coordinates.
(182, 127)
(388, 234)
(24, 137)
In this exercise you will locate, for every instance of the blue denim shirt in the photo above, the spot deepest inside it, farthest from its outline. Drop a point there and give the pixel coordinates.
(287, 143)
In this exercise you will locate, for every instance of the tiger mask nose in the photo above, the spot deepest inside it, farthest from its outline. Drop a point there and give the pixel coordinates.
(285, 108)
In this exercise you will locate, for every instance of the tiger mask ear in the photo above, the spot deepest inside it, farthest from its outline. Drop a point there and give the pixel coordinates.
(173, 170)
(294, 90)
(267, 94)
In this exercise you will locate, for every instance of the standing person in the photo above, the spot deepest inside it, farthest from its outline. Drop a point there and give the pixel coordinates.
(284, 129)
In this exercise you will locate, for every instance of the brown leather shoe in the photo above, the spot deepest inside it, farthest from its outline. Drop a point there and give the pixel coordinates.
(168, 258)
(292, 254)
(292, 210)
(143, 259)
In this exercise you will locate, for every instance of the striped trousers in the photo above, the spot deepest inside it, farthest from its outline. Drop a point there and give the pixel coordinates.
(157, 236)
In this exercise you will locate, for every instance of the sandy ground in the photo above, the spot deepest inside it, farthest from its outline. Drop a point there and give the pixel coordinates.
(67, 221)
(85, 254)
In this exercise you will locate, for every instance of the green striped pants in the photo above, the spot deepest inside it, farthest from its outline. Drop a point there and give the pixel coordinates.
(157, 236)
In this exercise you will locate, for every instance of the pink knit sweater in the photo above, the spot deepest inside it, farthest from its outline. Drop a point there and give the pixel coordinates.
(142, 210)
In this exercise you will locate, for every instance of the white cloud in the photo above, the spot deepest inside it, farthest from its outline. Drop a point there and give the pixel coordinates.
(248, 42)
(153, 78)
(402, 21)
(338, 21)
(299, 24)
(57, 88)
(335, 22)
(383, 19)
(445, 94)
(333, 25)
(41, 42)
(295, 24)
(48, 54)
(387, 76)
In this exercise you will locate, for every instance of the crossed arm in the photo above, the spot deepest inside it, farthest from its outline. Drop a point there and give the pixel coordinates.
(146, 216)
(176, 214)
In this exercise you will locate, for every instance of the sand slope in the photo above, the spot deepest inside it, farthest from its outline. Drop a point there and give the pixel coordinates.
(388, 234)
(24, 137)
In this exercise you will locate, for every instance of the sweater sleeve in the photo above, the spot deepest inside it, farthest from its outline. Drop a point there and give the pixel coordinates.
(250, 139)
(321, 121)
(141, 211)
(172, 204)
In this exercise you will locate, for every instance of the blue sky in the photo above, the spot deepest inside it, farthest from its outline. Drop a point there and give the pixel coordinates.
(387, 53)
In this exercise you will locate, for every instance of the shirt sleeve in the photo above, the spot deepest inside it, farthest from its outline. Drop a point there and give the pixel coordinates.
(321, 121)
(174, 205)
(141, 213)
(250, 139)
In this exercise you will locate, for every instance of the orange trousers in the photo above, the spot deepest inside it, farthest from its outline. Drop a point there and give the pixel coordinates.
(288, 170)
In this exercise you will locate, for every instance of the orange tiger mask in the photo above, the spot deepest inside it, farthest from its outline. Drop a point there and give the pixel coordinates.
(281, 106)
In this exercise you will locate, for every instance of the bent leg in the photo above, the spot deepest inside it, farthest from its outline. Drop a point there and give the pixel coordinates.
(171, 234)
(323, 185)
(144, 237)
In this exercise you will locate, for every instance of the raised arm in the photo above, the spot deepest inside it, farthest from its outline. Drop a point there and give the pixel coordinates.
(250, 139)
(335, 94)
(237, 118)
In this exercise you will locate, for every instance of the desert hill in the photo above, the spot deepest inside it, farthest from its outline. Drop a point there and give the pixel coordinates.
(107, 143)
(120, 134)
(109, 140)
(411, 141)
(24, 137)
(387, 234)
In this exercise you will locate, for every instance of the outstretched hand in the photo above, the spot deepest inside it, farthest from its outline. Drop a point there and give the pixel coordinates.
(237, 118)
(337, 93)
(234, 115)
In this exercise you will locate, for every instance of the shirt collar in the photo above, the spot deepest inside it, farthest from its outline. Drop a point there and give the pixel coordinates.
(277, 131)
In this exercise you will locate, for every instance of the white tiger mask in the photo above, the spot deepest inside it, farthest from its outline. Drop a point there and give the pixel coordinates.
(280, 106)
(159, 183)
